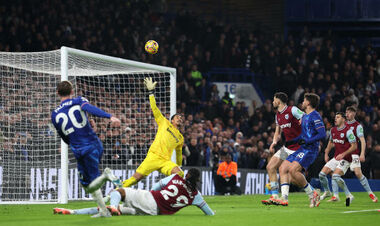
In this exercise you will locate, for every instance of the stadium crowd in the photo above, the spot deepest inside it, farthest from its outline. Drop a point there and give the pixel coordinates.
(342, 74)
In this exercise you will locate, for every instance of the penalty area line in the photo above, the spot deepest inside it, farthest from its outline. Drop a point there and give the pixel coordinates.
(358, 211)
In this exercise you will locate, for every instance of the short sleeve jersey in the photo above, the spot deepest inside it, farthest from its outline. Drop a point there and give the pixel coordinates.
(72, 123)
(174, 196)
(288, 121)
(358, 131)
(342, 138)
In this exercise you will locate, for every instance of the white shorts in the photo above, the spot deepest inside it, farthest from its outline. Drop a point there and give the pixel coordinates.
(355, 162)
(283, 153)
(342, 165)
(141, 201)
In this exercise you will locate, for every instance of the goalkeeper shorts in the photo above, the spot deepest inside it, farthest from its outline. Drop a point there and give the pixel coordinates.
(153, 162)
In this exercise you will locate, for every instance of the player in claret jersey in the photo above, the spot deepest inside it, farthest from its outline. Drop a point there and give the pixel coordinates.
(287, 121)
(357, 129)
(342, 138)
(72, 124)
(168, 138)
(167, 197)
(313, 130)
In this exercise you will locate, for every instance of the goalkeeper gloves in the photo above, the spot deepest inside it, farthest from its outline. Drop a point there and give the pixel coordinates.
(150, 85)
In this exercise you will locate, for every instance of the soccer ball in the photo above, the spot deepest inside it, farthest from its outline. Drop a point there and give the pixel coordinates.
(151, 47)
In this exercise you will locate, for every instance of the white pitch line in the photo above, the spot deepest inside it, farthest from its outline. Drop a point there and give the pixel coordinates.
(357, 211)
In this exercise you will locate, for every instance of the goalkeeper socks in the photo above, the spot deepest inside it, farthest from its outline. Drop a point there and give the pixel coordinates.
(324, 181)
(340, 182)
(274, 188)
(365, 184)
(129, 182)
(97, 195)
(115, 199)
(91, 211)
(309, 190)
(285, 191)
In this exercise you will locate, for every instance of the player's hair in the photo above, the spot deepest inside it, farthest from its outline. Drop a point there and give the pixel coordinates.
(64, 88)
(192, 177)
(351, 108)
(341, 114)
(282, 96)
(313, 99)
(171, 118)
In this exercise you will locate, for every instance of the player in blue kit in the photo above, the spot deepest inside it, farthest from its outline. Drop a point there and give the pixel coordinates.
(313, 130)
(71, 122)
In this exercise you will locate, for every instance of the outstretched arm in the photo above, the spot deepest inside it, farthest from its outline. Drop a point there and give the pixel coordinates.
(86, 106)
(156, 112)
(150, 86)
(201, 203)
(162, 183)
(98, 112)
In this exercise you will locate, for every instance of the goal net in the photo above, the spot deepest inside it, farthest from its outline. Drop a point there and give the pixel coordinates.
(33, 159)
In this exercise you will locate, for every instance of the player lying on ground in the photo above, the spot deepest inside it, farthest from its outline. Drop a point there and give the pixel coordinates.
(72, 124)
(167, 197)
(167, 139)
(343, 139)
(287, 121)
(313, 130)
(355, 166)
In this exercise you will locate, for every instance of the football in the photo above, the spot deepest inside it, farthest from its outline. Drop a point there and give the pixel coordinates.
(151, 47)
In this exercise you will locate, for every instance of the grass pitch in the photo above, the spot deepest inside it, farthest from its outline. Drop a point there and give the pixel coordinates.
(230, 210)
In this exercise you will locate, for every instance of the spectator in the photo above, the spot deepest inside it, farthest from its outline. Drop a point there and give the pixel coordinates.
(194, 159)
(225, 181)
(336, 72)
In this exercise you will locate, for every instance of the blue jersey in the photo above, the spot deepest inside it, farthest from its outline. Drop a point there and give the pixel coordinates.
(313, 130)
(72, 124)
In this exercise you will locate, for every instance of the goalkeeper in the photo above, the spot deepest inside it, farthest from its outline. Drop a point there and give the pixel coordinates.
(167, 139)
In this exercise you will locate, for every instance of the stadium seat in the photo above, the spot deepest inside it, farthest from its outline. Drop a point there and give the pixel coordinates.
(346, 9)
(320, 9)
(296, 9)
(370, 8)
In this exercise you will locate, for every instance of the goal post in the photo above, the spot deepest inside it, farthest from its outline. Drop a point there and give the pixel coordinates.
(35, 165)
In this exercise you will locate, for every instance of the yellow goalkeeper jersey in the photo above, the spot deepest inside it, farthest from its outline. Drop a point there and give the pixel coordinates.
(167, 138)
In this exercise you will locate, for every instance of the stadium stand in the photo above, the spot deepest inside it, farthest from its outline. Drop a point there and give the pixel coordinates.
(342, 75)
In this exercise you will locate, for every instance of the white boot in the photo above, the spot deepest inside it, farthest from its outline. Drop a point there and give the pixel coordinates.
(325, 194)
(109, 175)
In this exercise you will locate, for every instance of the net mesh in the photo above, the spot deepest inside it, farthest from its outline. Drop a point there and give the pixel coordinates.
(30, 147)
